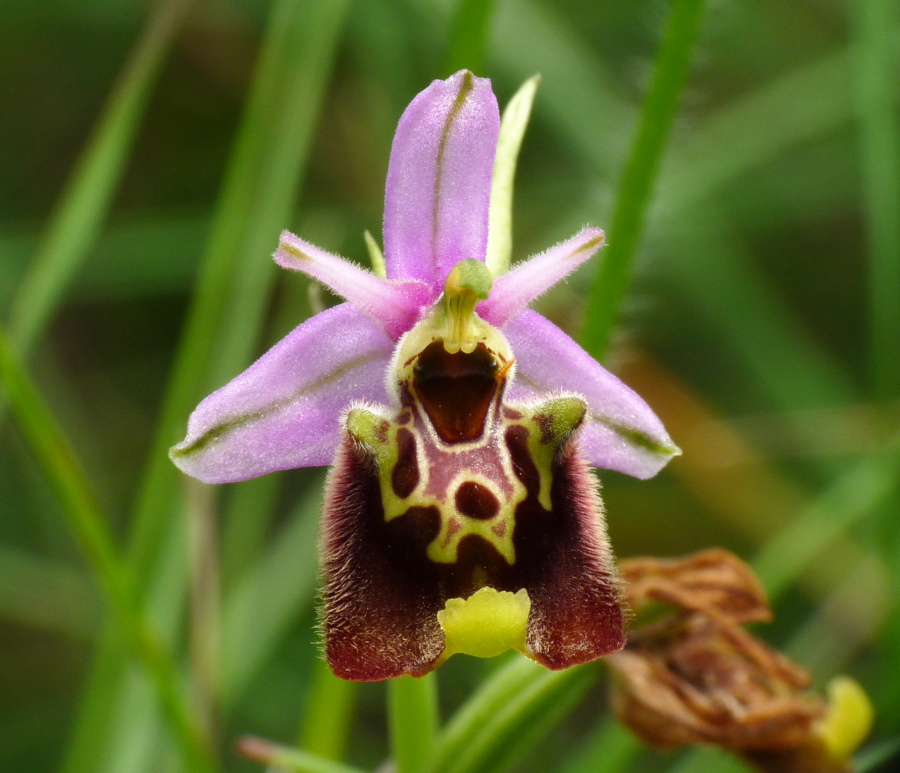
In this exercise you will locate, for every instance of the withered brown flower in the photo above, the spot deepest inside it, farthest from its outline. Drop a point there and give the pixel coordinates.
(695, 676)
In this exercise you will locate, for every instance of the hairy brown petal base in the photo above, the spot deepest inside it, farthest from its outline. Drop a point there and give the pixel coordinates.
(382, 593)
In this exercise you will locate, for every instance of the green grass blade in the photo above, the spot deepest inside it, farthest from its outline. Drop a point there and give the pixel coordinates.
(268, 598)
(64, 475)
(872, 758)
(284, 758)
(876, 87)
(855, 494)
(229, 303)
(610, 749)
(468, 35)
(413, 721)
(524, 721)
(88, 194)
(327, 719)
(636, 185)
(511, 712)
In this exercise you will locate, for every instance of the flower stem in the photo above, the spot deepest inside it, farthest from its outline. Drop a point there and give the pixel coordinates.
(413, 717)
(640, 172)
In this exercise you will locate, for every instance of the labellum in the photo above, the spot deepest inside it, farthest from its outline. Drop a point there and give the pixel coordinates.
(466, 522)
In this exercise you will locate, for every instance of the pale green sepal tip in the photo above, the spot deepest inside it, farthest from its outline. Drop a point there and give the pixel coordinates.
(486, 624)
(512, 130)
(376, 256)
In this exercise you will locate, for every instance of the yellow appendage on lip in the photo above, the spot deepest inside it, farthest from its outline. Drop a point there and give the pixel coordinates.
(470, 281)
(486, 624)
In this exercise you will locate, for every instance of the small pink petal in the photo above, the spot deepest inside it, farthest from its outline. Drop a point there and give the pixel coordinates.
(284, 410)
(439, 179)
(394, 305)
(621, 432)
(513, 291)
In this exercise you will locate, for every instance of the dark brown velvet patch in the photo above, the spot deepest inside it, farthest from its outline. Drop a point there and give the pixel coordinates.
(456, 390)
(563, 561)
(405, 475)
(381, 594)
(476, 501)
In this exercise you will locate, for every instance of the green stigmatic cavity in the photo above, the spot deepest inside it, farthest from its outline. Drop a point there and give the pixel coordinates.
(442, 511)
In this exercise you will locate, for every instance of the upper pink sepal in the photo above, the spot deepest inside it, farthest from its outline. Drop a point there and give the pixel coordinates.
(439, 179)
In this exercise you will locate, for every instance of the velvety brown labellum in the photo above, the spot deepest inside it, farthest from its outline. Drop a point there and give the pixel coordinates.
(463, 493)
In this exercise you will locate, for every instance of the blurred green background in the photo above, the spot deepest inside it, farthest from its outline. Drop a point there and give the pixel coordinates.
(150, 153)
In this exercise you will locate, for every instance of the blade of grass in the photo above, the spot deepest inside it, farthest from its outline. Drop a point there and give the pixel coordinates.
(609, 749)
(328, 714)
(261, 181)
(517, 674)
(412, 721)
(852, 496)
(268, 598)
(204, 624)
(88, 194)
(468, 35)
(873, 757)
(511, 712)
(876, 91)
(78, 505)
(284, 758)
(637, 183)
(46, 594)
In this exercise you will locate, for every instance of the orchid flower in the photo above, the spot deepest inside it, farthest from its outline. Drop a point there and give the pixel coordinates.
(460, 513)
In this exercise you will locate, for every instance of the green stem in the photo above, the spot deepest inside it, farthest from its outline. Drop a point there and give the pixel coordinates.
(204, 626)
(62, 471)
(640, 173)
(413, 720)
